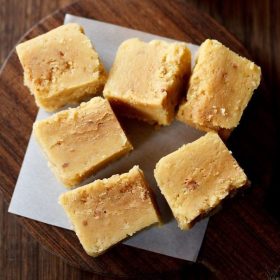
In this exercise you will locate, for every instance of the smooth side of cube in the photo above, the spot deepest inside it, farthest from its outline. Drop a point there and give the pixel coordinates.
(107, 211)
(197, 177)
(173, 74)
(147, 79)
(220, 88)
(80, 141)
(61, 67)
(150, 113)
(74, 95)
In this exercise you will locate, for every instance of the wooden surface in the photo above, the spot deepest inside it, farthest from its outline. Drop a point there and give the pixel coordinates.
(242, 241)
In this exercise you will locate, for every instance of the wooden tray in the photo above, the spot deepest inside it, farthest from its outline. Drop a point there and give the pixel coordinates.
(241, 240)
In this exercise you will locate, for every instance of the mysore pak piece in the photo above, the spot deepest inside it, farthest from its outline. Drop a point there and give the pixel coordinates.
(80, 141)
(221, 85)
(146, 79)
(195, 178)
(109, 210)
(61, 67)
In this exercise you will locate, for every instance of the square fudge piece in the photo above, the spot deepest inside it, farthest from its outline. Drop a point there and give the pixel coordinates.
(79, 141)
(146, 79)
(61, 67)
(220, 87)
(196, 177)
(107, 211)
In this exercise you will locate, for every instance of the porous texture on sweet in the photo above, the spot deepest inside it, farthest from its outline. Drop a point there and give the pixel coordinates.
(146, 79)
(109, 210)
(220, 87)
(195, 178)
(79, 141)
(61, 67)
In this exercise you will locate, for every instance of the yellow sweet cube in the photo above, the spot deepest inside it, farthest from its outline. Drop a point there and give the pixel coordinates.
(220, 87)
(146, 79)
(79, 141)
(196, 177)
(109, 210)
(61, 67)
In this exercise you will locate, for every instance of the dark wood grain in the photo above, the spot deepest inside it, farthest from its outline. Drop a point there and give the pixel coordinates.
(16, 17)
(242, 241)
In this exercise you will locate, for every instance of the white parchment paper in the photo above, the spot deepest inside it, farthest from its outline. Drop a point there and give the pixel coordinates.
(37, 190)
